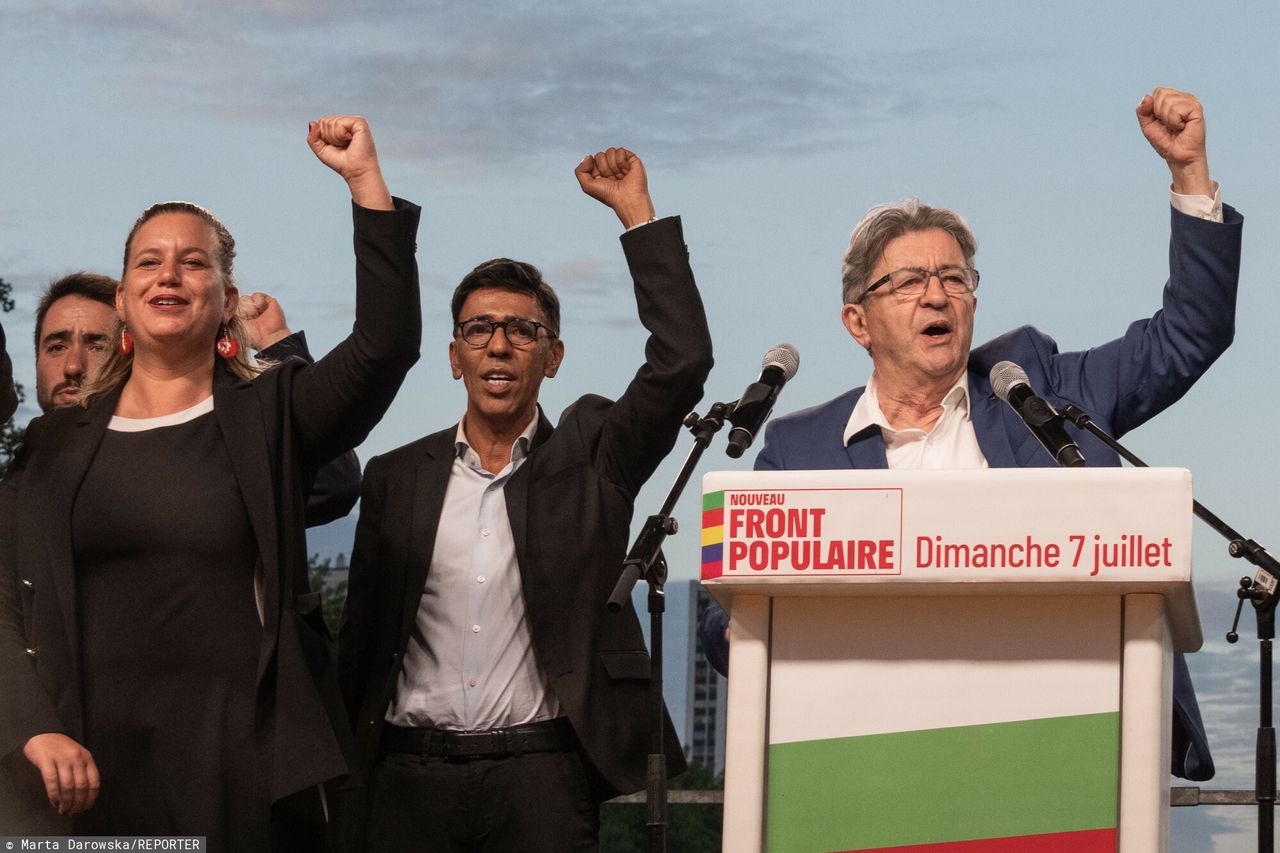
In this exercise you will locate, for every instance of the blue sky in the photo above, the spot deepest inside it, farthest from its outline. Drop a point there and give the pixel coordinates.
(769, 127)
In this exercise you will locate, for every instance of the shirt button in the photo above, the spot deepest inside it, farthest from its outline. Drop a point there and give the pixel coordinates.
(475, 629)
(472, 682)
(484, 531)
(480, 579)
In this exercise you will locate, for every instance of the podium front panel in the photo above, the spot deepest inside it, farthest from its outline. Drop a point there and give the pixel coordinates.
(894, 724)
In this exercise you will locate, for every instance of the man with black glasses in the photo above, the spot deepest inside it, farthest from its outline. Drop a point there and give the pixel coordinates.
(496, 701)
(909, 293)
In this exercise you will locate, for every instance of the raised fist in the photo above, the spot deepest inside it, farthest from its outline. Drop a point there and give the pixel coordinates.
(1173, 122)
(345, 144)
(616, 177)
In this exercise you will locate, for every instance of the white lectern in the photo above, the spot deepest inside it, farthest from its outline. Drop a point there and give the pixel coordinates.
(960, 661)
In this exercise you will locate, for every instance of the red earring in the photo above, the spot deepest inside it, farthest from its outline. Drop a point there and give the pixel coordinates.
(227, 346)
(125, 344)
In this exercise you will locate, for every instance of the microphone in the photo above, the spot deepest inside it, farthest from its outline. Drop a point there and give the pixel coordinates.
(1010, 384)
(756, 403)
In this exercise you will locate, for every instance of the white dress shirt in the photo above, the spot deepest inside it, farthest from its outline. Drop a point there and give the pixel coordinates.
(469, 664)
(952, 443)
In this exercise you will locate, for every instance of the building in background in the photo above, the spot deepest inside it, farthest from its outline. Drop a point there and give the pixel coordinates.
(706, 694)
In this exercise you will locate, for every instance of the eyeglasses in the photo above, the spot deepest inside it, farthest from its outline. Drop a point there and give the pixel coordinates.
(520, 332)
(913, 281)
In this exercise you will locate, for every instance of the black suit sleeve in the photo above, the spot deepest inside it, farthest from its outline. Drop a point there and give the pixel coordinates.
(336, 486)
(8, 397)
(26, 708)
(290, 345)
(339, 399)
(641, 428)
(334, 490)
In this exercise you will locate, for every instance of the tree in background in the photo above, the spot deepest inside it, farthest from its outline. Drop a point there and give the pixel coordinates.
(333, 593)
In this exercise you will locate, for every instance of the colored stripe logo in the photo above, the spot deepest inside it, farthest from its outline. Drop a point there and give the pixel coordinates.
(712, 534)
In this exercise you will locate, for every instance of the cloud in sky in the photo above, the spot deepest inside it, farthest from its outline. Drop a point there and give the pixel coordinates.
(588, 278)
(500, 82)
(593, 292)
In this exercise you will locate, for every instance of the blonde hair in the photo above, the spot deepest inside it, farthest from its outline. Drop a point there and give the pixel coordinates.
(116, 369)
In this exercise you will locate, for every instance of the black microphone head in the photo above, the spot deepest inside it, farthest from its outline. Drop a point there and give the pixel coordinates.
(785, 357)
(1005, 376)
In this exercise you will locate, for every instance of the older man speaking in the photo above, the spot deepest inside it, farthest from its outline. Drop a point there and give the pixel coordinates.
(909, 292)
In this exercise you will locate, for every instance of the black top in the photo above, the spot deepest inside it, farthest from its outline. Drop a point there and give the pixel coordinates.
(165, 555)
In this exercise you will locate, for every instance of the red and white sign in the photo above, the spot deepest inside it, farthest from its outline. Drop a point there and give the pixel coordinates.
(1031, 524)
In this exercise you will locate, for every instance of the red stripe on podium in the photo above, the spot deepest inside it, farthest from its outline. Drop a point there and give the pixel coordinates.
(1086, 841)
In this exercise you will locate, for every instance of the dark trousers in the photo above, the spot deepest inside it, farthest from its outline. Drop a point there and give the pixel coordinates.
(533, 803)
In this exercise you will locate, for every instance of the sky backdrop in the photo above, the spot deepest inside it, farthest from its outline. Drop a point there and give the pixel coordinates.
(770, 127)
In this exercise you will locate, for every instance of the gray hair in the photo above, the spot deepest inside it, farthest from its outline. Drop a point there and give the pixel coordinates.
(885, 223)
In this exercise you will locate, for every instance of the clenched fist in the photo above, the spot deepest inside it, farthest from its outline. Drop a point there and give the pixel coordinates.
(616, 177)
(263, 320)
(1173, 122)
(345, 144)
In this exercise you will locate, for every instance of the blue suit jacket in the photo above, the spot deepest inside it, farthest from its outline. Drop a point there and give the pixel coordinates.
(1121, 383)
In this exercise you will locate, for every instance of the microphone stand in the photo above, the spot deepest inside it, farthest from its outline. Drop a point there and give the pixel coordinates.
(646, 560)
(1261, 592)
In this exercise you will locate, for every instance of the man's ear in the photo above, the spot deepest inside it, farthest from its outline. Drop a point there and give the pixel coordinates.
(453, 360)
(854, 318)
(557, 356)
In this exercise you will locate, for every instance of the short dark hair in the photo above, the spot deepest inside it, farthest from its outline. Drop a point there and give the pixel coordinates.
(90, 285)
(506, 274)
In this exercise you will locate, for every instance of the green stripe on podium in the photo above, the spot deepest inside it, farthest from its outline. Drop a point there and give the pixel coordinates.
(996, 780)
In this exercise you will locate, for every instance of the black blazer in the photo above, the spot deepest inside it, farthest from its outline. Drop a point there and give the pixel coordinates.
(570, 507)
(336, 487)
(278, 429)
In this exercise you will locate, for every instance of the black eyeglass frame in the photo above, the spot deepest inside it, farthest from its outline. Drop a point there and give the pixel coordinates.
(505, 325)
